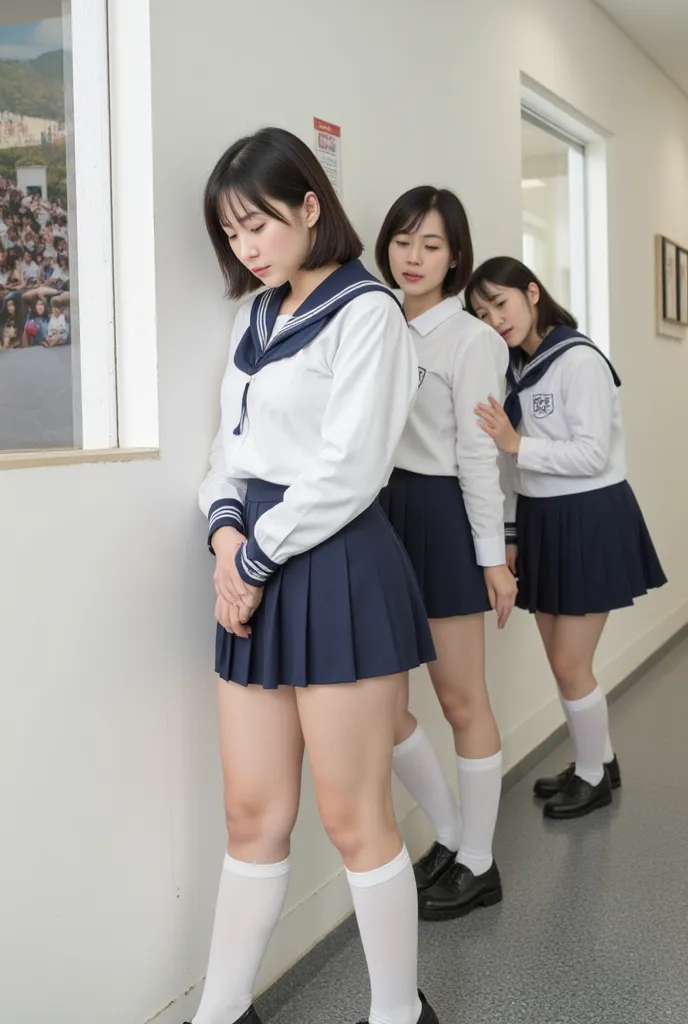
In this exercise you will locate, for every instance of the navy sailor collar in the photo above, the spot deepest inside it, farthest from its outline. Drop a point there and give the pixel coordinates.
(258, 348)
(522, 375)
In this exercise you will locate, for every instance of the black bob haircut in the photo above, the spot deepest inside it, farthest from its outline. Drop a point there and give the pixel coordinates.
(507, 272)
(406, 215)
(271, 166)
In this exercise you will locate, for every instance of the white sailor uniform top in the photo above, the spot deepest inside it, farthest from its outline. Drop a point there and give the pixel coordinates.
(324, 423)
(461, 362)
(571, 427)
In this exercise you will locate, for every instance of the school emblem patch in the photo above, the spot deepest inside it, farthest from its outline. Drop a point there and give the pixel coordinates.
(421, 375)
(542, 405)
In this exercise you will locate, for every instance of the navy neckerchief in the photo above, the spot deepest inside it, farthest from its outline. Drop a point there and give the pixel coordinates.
(520, 377)
(256, 349)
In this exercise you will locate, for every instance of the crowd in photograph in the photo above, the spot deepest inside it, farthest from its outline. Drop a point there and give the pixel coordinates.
(34, 270)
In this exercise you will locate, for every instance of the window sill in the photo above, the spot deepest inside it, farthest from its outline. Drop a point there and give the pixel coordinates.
(74, 457)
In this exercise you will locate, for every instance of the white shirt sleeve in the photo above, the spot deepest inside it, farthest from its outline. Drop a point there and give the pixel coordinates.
(479, 371)
(221, 496)
(374, 385)
(507, 478)
(588, 394)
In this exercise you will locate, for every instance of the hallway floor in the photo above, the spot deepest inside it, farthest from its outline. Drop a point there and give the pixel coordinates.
(594, 925)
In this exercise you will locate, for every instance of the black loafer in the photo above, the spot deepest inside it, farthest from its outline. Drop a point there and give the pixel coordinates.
(433, 865)
(250, 1017)
(427, 1014)
(579, 798)
(458, 892)
(552, 784)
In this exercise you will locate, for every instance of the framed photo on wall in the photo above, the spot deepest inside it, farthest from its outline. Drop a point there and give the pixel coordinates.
(669, 281)
(682, 285)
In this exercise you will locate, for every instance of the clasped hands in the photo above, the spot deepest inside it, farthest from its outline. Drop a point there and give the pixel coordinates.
(237, 600)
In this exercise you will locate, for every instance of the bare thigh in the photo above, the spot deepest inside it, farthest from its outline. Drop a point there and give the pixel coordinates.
(349, 734)
(571, 652)
(545, 624)
(261, 746)
(458, 676)
(404, 722)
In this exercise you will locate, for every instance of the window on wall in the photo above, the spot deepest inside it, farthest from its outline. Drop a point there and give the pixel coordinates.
(553, 177)
(53, 133)
(60, 183)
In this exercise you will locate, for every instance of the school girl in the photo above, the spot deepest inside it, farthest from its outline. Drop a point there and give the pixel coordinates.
(582, 544)
(319, 614)
(444, 500)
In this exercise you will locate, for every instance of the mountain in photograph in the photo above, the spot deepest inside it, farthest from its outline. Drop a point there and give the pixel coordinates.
(34, 88)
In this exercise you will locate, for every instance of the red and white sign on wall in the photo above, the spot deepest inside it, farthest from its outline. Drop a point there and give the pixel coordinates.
(327, 142)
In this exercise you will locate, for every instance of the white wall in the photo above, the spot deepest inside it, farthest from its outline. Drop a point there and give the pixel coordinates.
(109, 777)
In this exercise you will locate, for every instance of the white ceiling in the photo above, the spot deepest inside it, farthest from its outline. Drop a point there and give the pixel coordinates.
(660, 28)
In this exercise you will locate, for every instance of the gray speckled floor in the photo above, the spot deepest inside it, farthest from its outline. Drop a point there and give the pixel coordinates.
(594, 926)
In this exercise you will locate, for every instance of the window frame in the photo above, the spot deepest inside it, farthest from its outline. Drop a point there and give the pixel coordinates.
(112, 257)
(90, 194)
(577, 211)
(590, 243)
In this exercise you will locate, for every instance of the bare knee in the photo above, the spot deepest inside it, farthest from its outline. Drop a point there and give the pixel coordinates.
(259, 827)
(462, 709)
(365, 836)
(345, 832)
(570, 674)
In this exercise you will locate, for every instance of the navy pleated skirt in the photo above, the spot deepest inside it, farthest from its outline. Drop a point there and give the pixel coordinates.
(349, 609)
(429, 514)
(586, 553)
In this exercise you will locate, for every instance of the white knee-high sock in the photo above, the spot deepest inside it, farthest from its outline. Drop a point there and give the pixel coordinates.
(386, 905)
(480, 787)
(249, 905)
(608, 748)
(589, 724)
(418, 768)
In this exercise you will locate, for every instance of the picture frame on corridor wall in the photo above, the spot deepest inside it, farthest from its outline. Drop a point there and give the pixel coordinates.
(682, 272)
(669, 281)
(671, 270)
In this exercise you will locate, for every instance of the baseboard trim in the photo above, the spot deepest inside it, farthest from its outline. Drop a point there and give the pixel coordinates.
(557, 737)
(281, 991)
(649, 663)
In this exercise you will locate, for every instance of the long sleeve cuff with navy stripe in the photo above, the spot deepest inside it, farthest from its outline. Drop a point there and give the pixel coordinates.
(510, 535)
(253, 565)
(225, 512)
